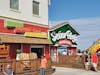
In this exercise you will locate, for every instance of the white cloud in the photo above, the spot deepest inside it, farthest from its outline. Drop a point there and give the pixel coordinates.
(88, 28)
(86, 21)
(52, 23)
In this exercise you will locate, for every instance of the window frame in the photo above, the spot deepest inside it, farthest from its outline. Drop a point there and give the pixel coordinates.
(14, 8)
(38, 9)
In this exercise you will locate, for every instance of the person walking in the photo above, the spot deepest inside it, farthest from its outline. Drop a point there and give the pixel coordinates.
(43, 65)
(8, 70)
(94, 60)
(86, 60)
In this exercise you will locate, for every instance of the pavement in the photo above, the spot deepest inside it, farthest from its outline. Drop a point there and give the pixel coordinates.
(72, 71)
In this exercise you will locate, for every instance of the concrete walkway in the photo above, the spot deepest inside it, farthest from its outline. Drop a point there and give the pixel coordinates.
(71, 71)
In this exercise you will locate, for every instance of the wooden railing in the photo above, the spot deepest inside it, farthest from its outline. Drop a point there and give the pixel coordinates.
(73, 61)
(21, 66)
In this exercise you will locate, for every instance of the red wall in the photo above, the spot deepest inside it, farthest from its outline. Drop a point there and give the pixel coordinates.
(1, 23)
(13, 47)
(4, 29)
(12, 50)
(36, 28)
(47, 51)
(26, 28)
(26, 48)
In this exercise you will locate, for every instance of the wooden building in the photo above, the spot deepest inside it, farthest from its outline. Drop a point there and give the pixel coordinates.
(24, 27)
(64, 38)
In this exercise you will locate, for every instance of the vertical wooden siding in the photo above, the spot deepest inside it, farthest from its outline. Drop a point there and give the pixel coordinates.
(47, 51)
(25, 48)
(12, 52)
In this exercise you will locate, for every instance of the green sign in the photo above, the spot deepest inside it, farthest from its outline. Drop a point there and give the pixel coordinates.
(13, 24)
(63, 32)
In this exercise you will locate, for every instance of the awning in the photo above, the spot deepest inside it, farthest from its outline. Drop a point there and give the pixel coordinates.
(5, 38)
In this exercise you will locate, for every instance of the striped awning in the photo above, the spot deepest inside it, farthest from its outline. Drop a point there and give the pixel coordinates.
(5, 38)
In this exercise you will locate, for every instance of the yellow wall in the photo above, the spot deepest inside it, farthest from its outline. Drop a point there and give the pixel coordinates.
(94, 48)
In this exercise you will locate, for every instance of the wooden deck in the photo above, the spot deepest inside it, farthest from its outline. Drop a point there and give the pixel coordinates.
(48, 72)
(24, 66)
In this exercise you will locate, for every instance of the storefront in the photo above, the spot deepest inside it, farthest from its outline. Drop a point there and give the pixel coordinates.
(24, 36)
(64, 38)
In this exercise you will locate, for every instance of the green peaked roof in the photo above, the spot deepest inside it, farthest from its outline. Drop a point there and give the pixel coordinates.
(63, 31)
(64, 26)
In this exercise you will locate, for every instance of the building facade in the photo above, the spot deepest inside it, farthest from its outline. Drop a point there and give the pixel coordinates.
(30, 10)
(24, 26)
(64, 38)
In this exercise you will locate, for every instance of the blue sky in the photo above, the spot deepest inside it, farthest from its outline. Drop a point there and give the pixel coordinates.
(83, 15)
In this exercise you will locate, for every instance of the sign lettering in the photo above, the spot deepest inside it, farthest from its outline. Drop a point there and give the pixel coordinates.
(68, 34)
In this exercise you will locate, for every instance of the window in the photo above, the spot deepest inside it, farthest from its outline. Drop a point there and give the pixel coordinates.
(14, 4)
(35, 8)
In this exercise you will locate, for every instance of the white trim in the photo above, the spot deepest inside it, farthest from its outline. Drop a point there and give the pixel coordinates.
(14, 10)
(58, 26)
(11, 34)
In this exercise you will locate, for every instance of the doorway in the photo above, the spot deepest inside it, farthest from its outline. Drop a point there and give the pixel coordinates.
(38, 51)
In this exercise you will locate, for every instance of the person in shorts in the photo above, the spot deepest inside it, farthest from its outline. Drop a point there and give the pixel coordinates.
(94, 60)
(43, 65)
